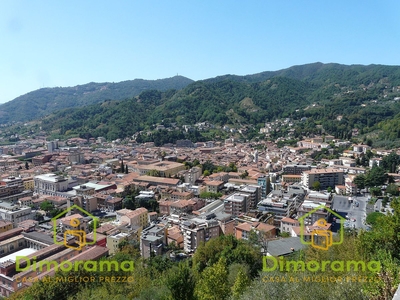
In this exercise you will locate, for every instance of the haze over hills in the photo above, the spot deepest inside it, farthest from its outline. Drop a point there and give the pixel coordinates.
(43, 101)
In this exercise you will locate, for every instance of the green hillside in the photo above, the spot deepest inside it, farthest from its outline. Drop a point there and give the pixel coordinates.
(329, 98)
(338, 98)
(41, 102)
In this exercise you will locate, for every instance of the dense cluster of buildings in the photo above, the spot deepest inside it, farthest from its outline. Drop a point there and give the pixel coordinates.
(269, 193)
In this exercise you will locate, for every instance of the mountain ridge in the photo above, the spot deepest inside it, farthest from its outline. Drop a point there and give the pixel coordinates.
(41, 102)
(333, 98)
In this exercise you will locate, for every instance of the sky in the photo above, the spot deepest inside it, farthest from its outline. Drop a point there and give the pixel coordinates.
(66, 43)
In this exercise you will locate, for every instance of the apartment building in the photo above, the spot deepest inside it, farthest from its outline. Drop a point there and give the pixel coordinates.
(11, 186)
(254, 194)
(309, 205)
(243, 230)
(214, 186)
(237, 204)
(328, 177)
(196, 231)
(137, 217)
(114, 240)
(152, 241)
(281, 203)
(295, 169)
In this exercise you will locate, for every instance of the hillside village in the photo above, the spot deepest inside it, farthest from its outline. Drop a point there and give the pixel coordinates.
(168, 200)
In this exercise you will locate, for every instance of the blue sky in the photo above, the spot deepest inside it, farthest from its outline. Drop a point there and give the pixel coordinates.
(66, 43)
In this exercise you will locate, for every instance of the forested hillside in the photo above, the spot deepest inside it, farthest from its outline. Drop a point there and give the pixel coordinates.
(47, 100)
(336, 97)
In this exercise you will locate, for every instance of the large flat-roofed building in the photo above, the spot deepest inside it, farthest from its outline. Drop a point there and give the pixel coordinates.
(254, 192)
(11, 186)
(50, 184)
(170, 182)
(237, 204)
(328, 177)
(14, 213)
(295, 169)
(281, 204)
(164, 168)
(12, 280)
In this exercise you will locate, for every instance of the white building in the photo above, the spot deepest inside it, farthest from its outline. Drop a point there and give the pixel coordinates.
(50, 184)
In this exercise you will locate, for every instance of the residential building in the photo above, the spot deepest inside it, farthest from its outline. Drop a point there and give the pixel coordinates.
(114, 240)
(11, 186)
(14, 213)
(237, 204)
(137, 217)
(254, 193)
(5, 226)
(281, 203)
(242, 231)
(295, 169)
(328, 177)
(263, 182)
(153, 240)
(198, 230)
(214, 186)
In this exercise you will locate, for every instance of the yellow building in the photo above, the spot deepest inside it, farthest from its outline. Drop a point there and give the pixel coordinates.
(138, 217)
(5, 226)
(29, 183)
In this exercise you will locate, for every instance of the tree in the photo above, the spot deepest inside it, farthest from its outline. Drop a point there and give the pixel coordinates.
(92, 225)
(375, 191)
(392, 189)
(373, 217)
(244, 174)
(129, 202)
(359, 181)
(213, 282)
(46, 206)
(375, 177)
(181, 282)
(26, 165)
(122, 167)
(206, 173)
(390, 162)
(126, 169)
(154, 173)
(210, 195)
(241, 283)
(232, 167)
(316, 186)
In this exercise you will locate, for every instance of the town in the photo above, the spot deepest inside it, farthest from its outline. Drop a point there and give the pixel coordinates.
(83, 199)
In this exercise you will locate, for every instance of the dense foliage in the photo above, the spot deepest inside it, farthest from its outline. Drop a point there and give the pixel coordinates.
(334, 99)
(47, 100)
